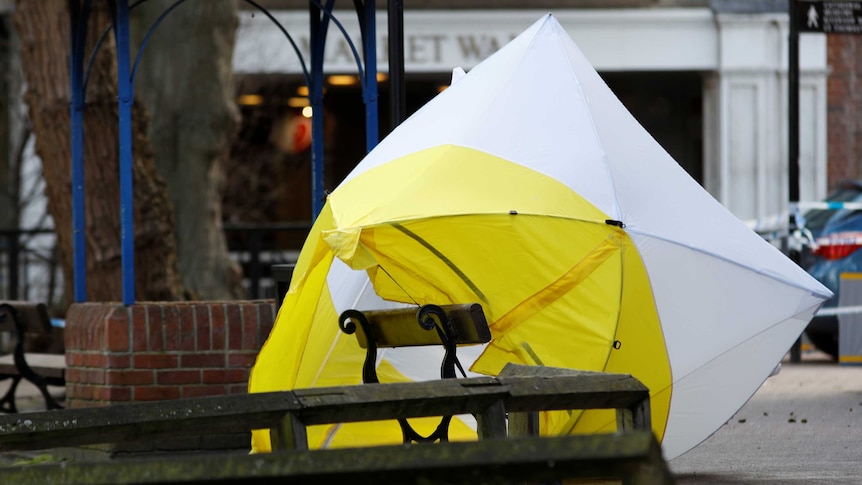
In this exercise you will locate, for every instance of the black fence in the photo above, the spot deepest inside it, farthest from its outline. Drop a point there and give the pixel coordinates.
(259, 247)
(30, 269)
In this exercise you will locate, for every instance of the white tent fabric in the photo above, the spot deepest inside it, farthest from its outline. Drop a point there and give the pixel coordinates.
(729, 304)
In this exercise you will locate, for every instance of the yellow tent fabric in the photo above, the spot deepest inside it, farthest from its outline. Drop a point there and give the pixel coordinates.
(426, 259)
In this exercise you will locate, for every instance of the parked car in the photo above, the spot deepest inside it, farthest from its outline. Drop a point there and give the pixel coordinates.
(834, 238)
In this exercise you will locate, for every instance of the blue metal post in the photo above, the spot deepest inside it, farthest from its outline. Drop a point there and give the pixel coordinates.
(372, 128)
(124, 86)
(317, 28)
(78, 33)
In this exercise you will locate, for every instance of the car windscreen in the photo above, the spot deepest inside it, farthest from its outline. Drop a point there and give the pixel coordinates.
(816, 219)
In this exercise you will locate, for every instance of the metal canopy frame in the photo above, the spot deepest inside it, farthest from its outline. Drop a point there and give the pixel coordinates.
(320, 16)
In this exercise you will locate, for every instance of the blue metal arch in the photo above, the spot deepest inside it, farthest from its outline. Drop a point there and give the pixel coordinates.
(79, 78)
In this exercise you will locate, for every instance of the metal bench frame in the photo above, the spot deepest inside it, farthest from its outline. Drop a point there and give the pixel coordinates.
(447, 325)
(22, 319)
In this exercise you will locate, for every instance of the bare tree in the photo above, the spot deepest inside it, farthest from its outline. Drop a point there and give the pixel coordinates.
(43, 30)
(186, 81)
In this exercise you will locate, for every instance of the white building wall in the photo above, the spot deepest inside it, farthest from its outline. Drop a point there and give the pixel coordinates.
(747, 158)
(743, 57)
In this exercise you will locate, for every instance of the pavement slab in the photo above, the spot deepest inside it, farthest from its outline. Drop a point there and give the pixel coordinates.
(803, 426)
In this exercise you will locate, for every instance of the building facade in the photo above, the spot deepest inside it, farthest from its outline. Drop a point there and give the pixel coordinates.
(708, 79)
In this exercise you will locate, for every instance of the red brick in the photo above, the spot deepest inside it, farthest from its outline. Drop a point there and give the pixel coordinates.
(73, 390)
(172, 327)
(89, 392)
(225, 376)
(74, 358)
(197, 360)
(93, 360)
(187, 328)
(155, 328)
(245, 359)
(119, 361)
(233, 326)
(85, 325)
(73, 376)
(156, 393)
(116, 332)
(92, 376)
(237, 389)
(203, 326)
(112, 394)
(139, 328)
(129, 377)
(266, 318)
(155, 361)
(218, 327)
(203, 391)
(250, 327)
(178, 377)
(202, 320)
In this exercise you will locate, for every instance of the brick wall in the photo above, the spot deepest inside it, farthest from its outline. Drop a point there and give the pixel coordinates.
(844, 111)
(161, 350)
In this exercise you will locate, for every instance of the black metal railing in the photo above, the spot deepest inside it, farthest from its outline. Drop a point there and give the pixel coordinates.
(30, 270)
(259, 247)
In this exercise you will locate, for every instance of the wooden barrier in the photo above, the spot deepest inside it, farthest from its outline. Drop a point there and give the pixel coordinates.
(632, 452)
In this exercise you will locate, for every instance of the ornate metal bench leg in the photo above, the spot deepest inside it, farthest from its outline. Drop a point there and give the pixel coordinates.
(441, 433)
(7, 403)
(429, 317)
(347, 322)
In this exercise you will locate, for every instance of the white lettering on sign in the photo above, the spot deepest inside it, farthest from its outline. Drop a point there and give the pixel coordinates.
(261, 48)
(842, 17)
(430, 49)
(479, 47)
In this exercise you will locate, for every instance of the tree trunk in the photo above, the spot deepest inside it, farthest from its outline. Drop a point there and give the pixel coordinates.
(43, 29)
(186, 81)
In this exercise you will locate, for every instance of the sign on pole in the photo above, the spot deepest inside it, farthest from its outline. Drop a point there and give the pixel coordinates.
(829, 17)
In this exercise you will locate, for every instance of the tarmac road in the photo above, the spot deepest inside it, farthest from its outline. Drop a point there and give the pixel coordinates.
(803, 426)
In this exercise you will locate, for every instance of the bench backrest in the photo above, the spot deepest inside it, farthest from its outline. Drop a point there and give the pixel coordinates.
(401, 327)
(29, 320)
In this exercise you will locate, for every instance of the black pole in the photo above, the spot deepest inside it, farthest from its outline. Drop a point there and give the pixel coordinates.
(793, 139)
(793, 107)
(397, 93)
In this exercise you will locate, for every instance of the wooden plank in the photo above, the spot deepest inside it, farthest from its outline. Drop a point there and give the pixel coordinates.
(635, 457)
(400, 328)
(51, 366)
(136, 421)
(573, 392)
(238, 413)
(485, 396)
(370, 402)
(289, 433)
(572, 389)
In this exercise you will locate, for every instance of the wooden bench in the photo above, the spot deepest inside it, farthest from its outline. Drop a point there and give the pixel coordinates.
(443, 325)
(32, 339)
(631, 455)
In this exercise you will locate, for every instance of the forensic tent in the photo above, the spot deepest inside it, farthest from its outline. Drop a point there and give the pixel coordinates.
(527, 187)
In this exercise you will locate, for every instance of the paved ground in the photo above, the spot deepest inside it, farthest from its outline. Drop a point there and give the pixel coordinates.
(804, 426)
